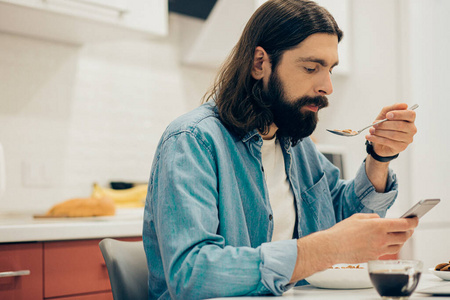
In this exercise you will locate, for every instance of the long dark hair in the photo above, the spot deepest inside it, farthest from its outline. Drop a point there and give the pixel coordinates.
(277, 26)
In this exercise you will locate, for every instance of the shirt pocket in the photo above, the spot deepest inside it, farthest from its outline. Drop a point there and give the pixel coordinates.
(319, 208)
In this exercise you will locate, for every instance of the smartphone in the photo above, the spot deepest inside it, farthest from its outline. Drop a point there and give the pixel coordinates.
(421, 208)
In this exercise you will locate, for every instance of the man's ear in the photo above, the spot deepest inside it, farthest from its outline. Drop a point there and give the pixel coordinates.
(261, 63)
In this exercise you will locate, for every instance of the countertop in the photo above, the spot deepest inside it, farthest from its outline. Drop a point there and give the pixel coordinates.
(23, 227)
(309, 292)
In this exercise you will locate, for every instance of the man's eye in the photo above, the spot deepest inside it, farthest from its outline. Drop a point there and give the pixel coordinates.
(309, 70)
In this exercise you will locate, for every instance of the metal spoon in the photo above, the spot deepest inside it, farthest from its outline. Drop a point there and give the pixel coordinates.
(349, 132)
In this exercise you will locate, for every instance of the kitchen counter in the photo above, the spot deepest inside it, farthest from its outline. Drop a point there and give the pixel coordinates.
(26, 228)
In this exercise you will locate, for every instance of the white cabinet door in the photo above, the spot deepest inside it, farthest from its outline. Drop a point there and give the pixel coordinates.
(81, 21)
(221, 31)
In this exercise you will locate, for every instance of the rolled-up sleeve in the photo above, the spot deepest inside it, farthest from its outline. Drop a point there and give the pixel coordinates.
(369, 197)
(277, 266)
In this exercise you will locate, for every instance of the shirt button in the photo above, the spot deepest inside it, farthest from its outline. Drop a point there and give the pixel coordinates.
(255, 138)
(270, 217)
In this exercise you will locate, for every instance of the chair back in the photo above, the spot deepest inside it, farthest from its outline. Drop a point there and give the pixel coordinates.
(127, 268)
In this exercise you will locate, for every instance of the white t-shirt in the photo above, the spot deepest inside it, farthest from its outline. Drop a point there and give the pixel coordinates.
(280, 193)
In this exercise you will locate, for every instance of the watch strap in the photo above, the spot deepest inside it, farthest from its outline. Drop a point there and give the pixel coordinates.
(369, 149)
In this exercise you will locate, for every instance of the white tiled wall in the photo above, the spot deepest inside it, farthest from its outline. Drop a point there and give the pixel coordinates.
(71, 116)
(430, 161)
(373, 82)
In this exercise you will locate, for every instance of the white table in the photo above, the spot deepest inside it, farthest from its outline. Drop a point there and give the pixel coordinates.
(310, 292)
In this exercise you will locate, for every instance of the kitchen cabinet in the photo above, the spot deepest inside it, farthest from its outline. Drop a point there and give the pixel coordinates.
(21, 271)
(96, 296)
(57, 270)
(208, 44)
(84, 21)
(74, 267)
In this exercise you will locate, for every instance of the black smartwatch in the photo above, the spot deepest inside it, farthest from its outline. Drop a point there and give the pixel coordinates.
(369, 149)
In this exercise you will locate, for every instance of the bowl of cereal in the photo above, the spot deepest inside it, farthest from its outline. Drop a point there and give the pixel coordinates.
(442, 271)
(342, 276)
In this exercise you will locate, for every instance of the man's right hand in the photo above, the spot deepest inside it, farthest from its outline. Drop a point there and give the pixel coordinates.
(357, 239)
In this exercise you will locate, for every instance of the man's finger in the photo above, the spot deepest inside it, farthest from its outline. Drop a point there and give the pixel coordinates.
(401, 115)
(393, 249)
(396, 106)
(402, 225)
(391, 135)
(398, 238)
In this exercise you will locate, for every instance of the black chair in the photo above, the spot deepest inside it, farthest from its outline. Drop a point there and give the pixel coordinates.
(127, 268)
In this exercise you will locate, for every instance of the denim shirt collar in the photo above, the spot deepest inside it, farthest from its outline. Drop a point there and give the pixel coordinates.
(256, 137)
(252, 135)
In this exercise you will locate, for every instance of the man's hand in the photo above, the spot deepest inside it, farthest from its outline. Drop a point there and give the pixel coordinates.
(357, 239)
(364, 237)
(393, 136)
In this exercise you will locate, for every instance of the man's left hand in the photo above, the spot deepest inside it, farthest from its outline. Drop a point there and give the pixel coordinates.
(392, 137)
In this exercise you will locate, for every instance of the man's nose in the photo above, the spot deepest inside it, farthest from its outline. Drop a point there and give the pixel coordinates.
(325, 86)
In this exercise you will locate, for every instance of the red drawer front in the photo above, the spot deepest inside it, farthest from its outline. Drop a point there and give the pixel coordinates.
(21, 257)
(94, 296)
(74, 267)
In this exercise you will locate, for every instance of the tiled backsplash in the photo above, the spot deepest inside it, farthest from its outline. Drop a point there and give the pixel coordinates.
(71, 116)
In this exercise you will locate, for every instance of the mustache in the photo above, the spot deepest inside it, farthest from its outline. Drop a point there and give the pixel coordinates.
(319, 101)
(257, 93)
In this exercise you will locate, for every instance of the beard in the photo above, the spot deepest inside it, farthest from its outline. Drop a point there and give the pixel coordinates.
(292, 123)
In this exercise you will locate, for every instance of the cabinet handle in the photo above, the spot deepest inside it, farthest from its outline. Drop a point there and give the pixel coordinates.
(15, 273)
(120, 9)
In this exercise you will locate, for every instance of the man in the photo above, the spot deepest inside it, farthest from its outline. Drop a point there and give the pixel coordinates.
(240, 202)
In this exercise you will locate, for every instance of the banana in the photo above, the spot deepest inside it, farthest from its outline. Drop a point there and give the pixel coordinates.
(132, 197)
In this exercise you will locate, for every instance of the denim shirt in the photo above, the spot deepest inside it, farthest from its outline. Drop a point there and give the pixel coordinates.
(208, 222)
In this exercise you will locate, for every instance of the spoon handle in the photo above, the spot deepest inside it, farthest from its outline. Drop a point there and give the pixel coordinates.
(413, 107)
(384, 120)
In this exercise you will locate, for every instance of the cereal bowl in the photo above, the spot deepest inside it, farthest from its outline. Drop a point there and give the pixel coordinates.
(342, 276)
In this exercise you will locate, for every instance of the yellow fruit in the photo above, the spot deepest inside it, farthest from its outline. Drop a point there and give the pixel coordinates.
(132, 197)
